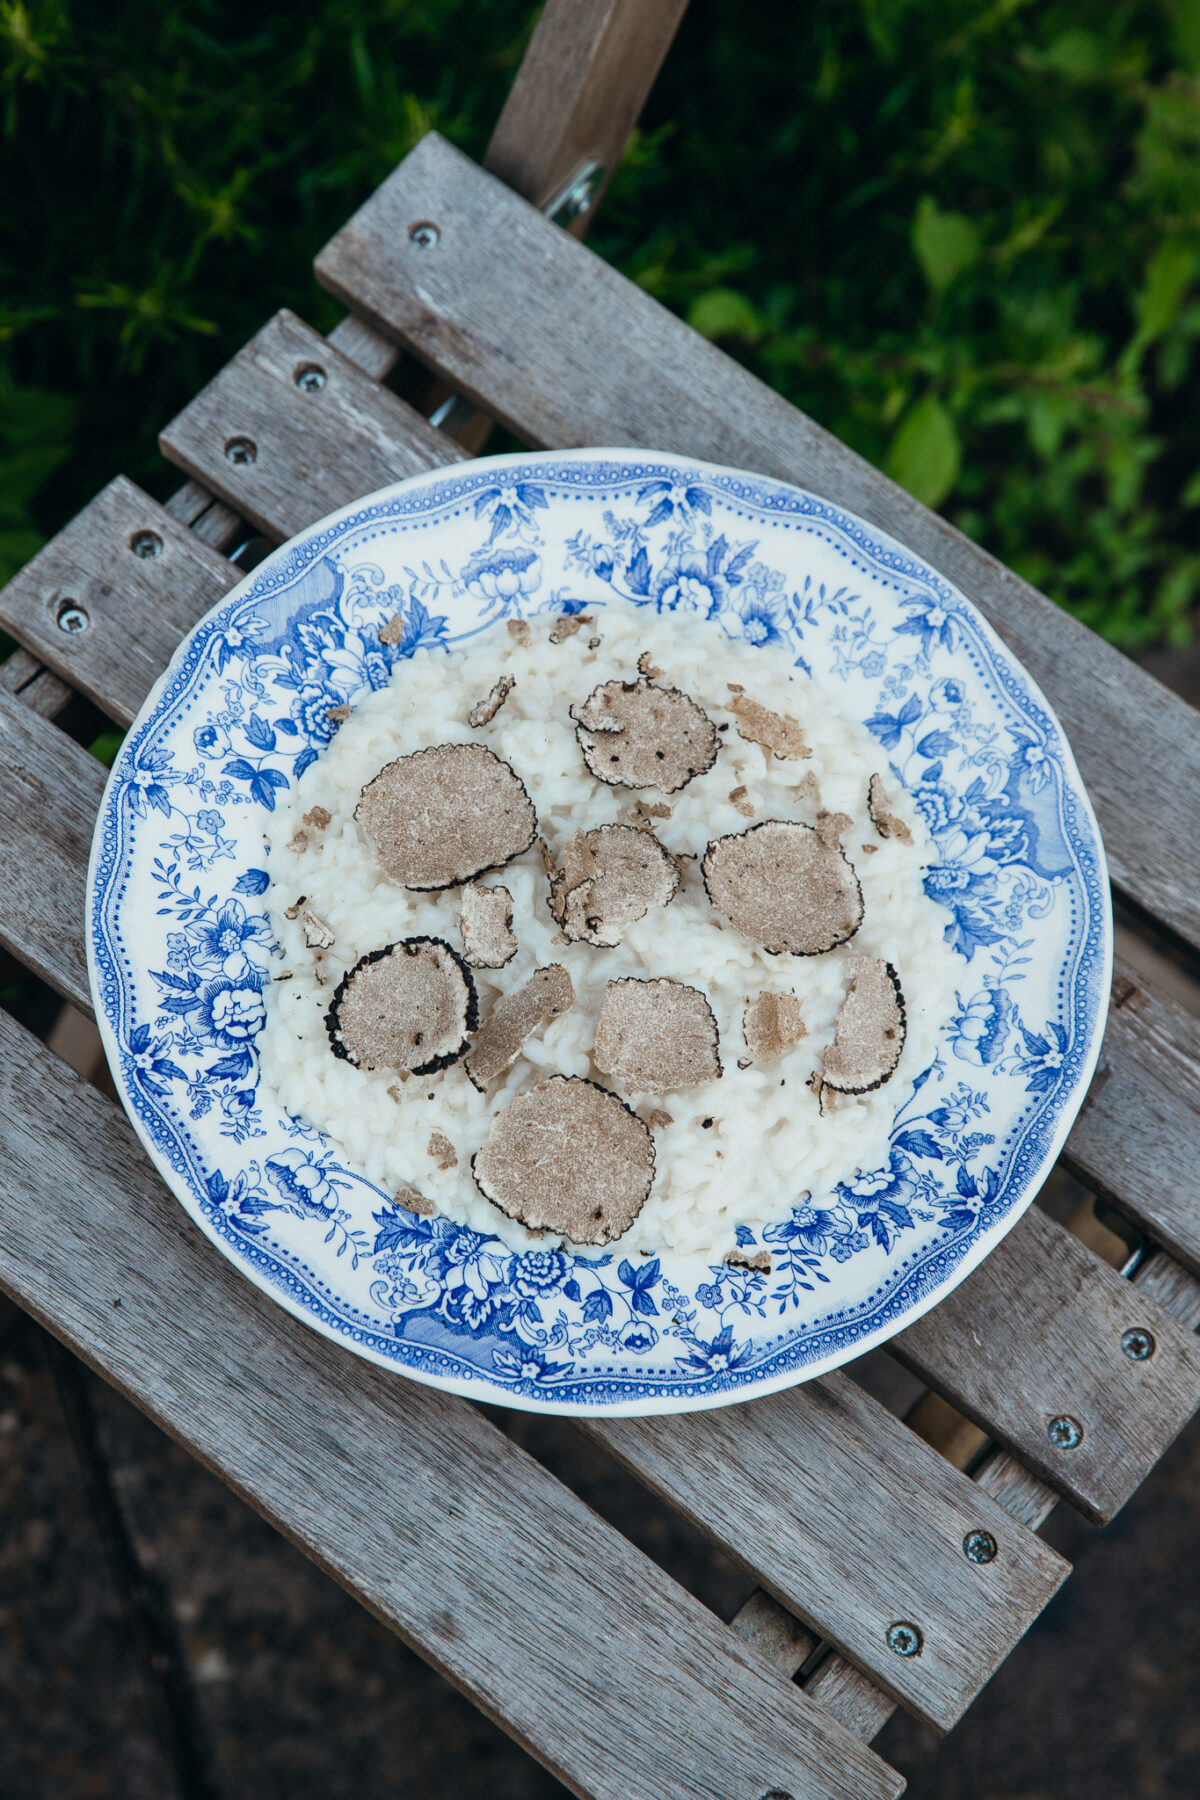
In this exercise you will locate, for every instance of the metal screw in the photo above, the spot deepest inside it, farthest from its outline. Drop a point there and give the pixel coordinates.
(241, 450)
(72, 617)
(904, 1639)
(1138, 1344)
(145, 543)
(578, 195)
(777, 1794)
(310, 379)
(1064, 1432)
(979, 1547)
(424, 236)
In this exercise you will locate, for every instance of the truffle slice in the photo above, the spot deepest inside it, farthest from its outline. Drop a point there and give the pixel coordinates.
(412, 1200)
(870, 1030)
(486, 709)
(785, 888)
(882, 817)
(442, 1151)
(770, 1024)
(656, 1035)
(444, 814)
(759, 725)
(610, 877)
(635, 734)
(408, 1007)
(485, 922)
(568, 1157)
(758, 1264)
(514, 1018)
(567, 624)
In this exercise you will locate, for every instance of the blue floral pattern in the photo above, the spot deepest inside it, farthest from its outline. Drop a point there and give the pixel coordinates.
(182, 954)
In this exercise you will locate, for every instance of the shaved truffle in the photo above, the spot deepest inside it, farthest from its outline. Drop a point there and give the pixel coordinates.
(485, 921)
(635, 734)
(656, 1035)
(739, 798)
(317, 934)
(442, 1150)
(408, 1006)
(568, 1157)
(770, 1024)
(870, 1031)
(318, 817)
(339, 714)
(392, 631)
(758, 1264)
(780, 885)
(648, 668)
(514, 1018)
(882, 817)
(518, 630)
(486, 709)
(567, 624)
(444, 814)
(831, 827)
(759, 725)
(413, 1201)
(610, 877)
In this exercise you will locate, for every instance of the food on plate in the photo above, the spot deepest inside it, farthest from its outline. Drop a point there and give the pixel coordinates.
(608, 879)
(485, 917)
(656, 1036)
(869, 1035)
(786, 885)
(636, 734)
(445, 814)
(409, 1006)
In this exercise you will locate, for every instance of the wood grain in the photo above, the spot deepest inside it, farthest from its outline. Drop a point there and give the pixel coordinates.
(22, 675)
(576, 1643)
(137, 608)
(565, 351)
(853, 1523)
(312, 451)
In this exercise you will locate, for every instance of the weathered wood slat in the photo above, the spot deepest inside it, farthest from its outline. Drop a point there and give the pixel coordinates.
(1034, 1335)
(554, 1624)
(777, 1636)
(37, 688)
(298, 452)
(853, 1523)
(135, 607)
(565, 351)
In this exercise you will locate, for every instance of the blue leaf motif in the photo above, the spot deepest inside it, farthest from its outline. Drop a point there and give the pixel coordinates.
(597, 1307)
(304, 761)
(239, 769)
(259, 732)
(918, 1143)
(637, 575)
(254, 881)
(936, 743)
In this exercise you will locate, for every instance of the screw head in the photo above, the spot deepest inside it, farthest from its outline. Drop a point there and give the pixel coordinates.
(424, 235)
(310, 379)
(1138, 1344)
(240, 451)
(904, 1639)
(72, 618)
(979, 1547)
(146, 544)
(1064, 1432)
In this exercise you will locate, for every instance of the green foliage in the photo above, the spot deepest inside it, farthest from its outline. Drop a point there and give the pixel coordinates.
(965, 237)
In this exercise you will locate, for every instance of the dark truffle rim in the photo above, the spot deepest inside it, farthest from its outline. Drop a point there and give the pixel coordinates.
(793, 825)
(482, 1087)
(598, 831)
(443, 887)
(630, 687)
(895, 818)
(512, 934)
(470, 1020)
(668, 981)
(541, 1230)
(903, 1039)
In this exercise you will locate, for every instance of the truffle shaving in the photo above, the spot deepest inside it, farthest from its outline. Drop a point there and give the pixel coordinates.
(409, 1007)
(568, 1157)
(485, 923)
(636, 734)
(442, 1151)
(883, 818)
(486, 709)
(413, 1201)
(610, 877)
(771, 1023)
(444, 814)
(656, 1035)
(870, 1031)
(784, 888)
(759, 725)
(514, 1018)
(567, 624)
(758, 1264)
(392, 630)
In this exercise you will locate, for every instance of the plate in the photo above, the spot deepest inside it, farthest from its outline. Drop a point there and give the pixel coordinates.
(179, 946)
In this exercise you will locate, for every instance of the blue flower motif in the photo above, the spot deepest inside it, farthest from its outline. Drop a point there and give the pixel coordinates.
(232, 1011)
(764, 618)
(310, 709)
(1032, 762)
(873, 664)
(502, 576)
(539, 1272)
(151, 1058)
(638, 1337)
(211, 740)
(510, 503)
(304, 1185)
(1043, 1056)
(146, 781)
(673, 497)
(717, 1357)
(932, 624)
(947, 694)
(689, 586)
(979, 1032)
(222, 942)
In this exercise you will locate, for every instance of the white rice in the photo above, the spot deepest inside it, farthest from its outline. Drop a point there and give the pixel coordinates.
(742, 1149)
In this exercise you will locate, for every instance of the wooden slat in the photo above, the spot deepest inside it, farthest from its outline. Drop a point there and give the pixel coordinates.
(1034, 1334)
(580, 1646)
(313, 451)
(23, 675)
(577, 95)
(853, 1523)
(565, 351)
(137, 607)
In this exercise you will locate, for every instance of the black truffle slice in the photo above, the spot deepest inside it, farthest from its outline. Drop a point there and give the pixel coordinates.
(608, 878)
(409, 1006)
(870, 1031)
(883, 818)
(785, 886)
(514, 1018)
(771, 1023)
(444, 814)
(485, 923)
(656, 1035)
(568, 1157)
(636, 734)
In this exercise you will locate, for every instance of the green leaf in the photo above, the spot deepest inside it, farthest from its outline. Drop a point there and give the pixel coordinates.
(925, 453)
(724, 313)
(1167, 281)
(945, 243)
